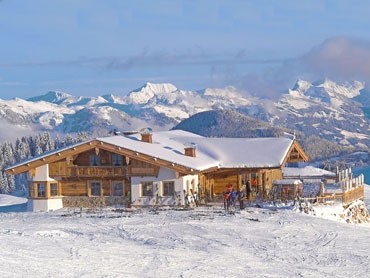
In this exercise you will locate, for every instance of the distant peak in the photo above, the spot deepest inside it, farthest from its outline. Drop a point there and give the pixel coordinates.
(143, 94)
(157, 87)
(58, 95)
(51, 96)
(302, 85)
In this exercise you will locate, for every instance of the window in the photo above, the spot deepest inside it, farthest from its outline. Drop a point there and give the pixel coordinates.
(147, 189)
(95, 188)
(41, 190)
(117, 159)
(117, 189)
(53, 189)
(94, 160)
(168, 188)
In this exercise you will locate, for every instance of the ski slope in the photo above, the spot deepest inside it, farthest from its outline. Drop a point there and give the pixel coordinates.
(204, 242)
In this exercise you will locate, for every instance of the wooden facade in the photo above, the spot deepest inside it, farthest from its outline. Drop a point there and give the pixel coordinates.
(76, 174)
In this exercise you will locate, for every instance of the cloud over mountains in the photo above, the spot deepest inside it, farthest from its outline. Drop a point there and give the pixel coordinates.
(340, 57)
(337, 58)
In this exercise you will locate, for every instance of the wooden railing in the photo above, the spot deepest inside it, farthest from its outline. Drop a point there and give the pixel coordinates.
(326, 199)
(101, 171)
(96, 171)
(352, 189)
(136, 171)
(354, 193)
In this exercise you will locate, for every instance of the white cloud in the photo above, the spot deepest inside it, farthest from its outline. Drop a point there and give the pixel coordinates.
(339, 58)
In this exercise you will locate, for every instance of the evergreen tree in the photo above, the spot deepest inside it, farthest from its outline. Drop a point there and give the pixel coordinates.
(8, 154)
(3, 183)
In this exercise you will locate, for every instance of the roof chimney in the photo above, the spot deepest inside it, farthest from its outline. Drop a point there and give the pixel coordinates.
(191, 150)
(147, 137)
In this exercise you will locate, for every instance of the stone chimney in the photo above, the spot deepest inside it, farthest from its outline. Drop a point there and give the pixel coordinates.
(191, 150)
(147, 137)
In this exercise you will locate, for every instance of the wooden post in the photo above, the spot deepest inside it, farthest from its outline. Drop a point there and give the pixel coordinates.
(47, 189)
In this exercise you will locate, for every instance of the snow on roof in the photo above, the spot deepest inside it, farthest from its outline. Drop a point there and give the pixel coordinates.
(166, 145)
(308, 171)
(210, 152)
(287, 182)
(52, 152)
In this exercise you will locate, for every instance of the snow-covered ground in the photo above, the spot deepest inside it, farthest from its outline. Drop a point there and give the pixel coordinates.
(205, 242)
(9, 200)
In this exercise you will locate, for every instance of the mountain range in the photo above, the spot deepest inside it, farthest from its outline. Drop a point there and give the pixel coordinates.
(333, 111)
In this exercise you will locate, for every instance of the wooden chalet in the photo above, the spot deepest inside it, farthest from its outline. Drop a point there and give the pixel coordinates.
(149, 169)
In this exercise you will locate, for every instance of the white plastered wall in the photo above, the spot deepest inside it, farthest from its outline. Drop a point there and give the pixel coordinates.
(165, 174)
(42, 174)
(45, 204)
(54, 203)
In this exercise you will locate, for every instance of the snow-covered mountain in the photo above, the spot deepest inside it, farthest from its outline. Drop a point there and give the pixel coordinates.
(327, 109)
(159, 106)
(334, 111)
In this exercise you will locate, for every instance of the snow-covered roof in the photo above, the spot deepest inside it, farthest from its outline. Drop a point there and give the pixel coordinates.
(308, 171)
(210, 152)
(46, 154)
(287, 182)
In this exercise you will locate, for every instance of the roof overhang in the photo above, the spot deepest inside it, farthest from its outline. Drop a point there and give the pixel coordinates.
(295, 154)
(61, 154)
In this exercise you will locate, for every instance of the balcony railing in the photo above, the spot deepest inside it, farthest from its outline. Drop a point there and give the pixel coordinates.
(97, 171)
(101, 171)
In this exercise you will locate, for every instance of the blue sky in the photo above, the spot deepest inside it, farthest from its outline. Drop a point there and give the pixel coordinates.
(94, 47)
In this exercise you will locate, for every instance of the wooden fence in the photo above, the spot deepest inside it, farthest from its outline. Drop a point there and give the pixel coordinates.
(352, 189)
(355, 193)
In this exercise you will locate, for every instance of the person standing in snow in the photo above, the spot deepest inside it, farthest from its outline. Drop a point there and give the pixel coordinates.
(248, 189)
(241, 195)
(233, 197)
(226, 195)
(226, 199)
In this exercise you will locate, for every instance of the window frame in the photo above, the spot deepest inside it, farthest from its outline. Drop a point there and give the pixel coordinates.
(114, 186)
(92, 188)
(167, 191)
(40, 185)
(117, 159)
(55, 190)
(94, 160)
(146, 193)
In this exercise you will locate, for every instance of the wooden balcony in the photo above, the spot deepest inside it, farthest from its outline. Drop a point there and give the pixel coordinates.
(97, 171)
(102, 171)
(142, 172)
(87, 171)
